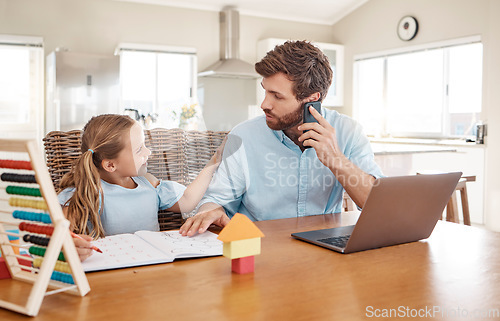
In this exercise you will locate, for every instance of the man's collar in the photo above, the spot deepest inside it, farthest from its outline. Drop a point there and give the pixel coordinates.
(279, 134)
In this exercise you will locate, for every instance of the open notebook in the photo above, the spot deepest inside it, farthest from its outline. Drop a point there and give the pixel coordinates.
(146, 247)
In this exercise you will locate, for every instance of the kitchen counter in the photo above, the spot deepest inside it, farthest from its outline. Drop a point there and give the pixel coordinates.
(380, 149)
(403, 156)
(426, 142)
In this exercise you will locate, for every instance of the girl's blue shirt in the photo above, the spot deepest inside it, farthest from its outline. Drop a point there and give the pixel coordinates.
(130, 210)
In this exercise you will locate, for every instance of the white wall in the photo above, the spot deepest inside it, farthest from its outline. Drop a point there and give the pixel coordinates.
(492, 107)
(372, 28)
(97, 26)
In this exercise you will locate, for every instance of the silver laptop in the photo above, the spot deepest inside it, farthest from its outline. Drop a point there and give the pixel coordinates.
(398, 210)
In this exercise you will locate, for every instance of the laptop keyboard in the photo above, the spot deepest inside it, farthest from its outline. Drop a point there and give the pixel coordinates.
(339, 241)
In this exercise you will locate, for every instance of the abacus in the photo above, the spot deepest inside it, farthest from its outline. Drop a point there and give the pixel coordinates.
(55, 264)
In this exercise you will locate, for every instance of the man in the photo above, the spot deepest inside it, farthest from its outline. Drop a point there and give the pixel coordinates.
(277, 166)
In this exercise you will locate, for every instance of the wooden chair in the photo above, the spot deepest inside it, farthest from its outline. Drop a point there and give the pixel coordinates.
(452, 206)
(348, 203)
(176, 155)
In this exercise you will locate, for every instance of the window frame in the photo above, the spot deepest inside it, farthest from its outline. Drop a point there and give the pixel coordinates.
(34, 128)
(445, 116)
(162, 49)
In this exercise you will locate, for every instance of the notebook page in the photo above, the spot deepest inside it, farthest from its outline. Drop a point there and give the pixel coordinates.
(123, 250)
(178, 246)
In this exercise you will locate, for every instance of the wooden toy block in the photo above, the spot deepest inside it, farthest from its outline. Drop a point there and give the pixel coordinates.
(239, 228)
(241, 248)
(243, 265)
(241, 239)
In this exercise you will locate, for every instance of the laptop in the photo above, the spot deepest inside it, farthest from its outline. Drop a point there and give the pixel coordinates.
(398, 210)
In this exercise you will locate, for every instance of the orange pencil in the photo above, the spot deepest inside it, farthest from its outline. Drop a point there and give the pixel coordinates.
(95, 248)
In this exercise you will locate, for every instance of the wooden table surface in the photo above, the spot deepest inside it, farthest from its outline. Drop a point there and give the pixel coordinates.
(455, 271)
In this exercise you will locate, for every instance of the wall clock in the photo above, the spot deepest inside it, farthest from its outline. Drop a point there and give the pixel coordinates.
(407, 28)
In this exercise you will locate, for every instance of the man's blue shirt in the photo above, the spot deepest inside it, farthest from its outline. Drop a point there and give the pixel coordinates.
(265, 175)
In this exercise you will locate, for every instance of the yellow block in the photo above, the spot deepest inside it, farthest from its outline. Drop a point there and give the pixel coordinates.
(241, 248)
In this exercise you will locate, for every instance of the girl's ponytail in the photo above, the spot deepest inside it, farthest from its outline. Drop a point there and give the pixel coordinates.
(83, 206)
(102, 139)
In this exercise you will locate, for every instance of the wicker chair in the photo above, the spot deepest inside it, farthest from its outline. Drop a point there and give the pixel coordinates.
(176, 155)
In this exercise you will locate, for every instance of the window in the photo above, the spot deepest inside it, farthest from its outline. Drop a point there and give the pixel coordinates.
(21, 87)
(431, 92)
(158, 81)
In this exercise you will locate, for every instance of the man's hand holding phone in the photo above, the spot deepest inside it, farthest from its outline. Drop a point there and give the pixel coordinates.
(307, 116)
(321, 136)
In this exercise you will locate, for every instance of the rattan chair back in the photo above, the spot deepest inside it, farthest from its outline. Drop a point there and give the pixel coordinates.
(176, 155)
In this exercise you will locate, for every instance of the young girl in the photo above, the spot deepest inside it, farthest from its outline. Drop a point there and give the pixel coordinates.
(108, 190)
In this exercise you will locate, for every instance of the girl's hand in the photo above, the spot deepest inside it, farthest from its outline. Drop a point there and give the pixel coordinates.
(217, 158)
(83, 247)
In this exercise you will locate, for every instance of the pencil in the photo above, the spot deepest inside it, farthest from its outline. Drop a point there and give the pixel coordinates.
(95, 248)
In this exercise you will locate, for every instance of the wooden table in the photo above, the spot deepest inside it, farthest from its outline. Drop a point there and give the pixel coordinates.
(456, 270)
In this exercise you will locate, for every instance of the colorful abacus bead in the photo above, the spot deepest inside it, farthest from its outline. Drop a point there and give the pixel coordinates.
(62, 277)
(40, 251)
(21, 190)
(18, 178)
(15, 164)
(60, 266)
(23, 202)
(32, 216)
(35, 228)
(35, 239)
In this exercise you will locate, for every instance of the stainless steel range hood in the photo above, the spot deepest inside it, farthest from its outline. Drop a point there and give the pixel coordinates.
(230, 65)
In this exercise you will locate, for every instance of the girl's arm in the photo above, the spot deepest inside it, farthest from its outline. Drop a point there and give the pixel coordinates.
(195, 191)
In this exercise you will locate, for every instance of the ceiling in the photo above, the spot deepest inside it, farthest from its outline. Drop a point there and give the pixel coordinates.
(326, 12)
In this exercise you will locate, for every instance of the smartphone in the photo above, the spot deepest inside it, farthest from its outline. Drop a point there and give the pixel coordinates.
(308, 118)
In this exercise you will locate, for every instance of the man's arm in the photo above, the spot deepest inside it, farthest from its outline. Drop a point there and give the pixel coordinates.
(226, 189)
(357, 183)
(322, 137)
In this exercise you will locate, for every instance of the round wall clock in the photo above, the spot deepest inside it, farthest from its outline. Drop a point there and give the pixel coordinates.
(407, 28)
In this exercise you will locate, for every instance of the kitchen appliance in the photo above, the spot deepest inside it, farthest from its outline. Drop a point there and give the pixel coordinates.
(80, 86)
(227, 89)
(480, 133)
(230, 65)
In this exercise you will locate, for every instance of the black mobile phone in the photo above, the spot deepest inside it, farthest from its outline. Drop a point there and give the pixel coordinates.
(308, 118)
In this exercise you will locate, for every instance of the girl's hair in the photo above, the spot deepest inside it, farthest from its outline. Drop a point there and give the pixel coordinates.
(304, 64)
(103, 137)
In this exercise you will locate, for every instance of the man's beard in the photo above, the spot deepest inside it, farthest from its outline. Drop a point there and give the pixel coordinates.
(287, 121)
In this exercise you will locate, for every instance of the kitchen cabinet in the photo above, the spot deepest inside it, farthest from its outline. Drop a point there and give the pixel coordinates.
(335, 54)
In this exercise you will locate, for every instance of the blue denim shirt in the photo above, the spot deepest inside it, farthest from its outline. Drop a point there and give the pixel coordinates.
(265, 175)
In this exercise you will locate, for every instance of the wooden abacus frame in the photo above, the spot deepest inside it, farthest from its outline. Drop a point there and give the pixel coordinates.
(60, 240)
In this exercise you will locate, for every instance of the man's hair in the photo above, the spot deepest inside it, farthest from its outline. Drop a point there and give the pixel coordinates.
(304, 64)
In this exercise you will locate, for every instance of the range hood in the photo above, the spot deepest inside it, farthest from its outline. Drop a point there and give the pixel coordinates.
(230, 65)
